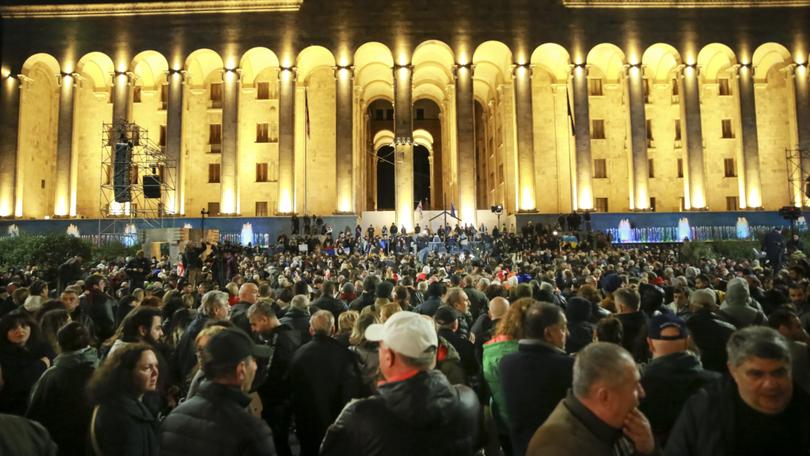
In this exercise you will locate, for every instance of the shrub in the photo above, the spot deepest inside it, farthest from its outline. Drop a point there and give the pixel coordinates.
(47, 251)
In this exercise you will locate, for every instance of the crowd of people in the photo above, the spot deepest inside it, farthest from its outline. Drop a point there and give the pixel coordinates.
(523, 346)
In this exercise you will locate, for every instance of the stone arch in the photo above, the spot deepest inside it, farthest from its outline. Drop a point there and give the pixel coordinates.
(493, 64)
(374, 78)
(768, 59)
(201, 65)
(150, 69)
(383, 138)
(715, 60)
(314, 58)
(608, 61)
(554, 60)
(256, 61)
(96, 68)
(660, 60)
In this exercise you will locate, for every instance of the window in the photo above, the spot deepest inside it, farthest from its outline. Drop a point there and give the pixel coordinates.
(645, 85)
(389, 114)
(595, 87)
(263, 91)
(601, 204)
(213, 209)
(261, 208)
(731, 203)
(650, 168)
(728, 167)
(42, 183)
(500, 174)
(213, 173)
(216, 94)
(215, 137)
(112, 94)
(650, 142)
(162, 141)
(597, 129)
(164, 96)
(262, 130)
(378, 114)
(728, 133)
(724, 88)
(675, 89)
(677, 131)
(261, 172)
(136, 94)
(600, 168)
(652, 203)
(680, 167)
(420, 114)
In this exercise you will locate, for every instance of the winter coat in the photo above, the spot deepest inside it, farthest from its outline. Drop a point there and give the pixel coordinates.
(20, 436)
(668, 382)
(215, 422)
(336, 306)
(59, 394)
(298, 319)
(422, 415)
(368, 360)
(324, 377)
(430, 305)
(534, 380)
(580, 329)
(494, 351)
(710, 334)
(124, 426)
(21, 368)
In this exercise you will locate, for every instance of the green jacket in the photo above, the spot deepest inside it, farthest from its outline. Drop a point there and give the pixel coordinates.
(494, 351)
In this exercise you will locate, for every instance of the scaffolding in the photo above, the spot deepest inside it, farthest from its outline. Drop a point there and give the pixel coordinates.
(797, 160)
(147, 160)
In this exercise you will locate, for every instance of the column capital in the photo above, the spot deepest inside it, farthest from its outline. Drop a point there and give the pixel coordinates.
(171, 72)
(61, 77)
(338, 68)
(525, 66)
(573, 67)
(407, 66)
(293, 70)
(458, 66)
(237, 72)
(682, 69)
(630, 66)
(737, 68)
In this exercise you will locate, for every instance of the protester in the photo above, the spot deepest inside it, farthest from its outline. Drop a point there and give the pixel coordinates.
(121, 423)
(415, 411)
(215, 421)
(759, 412)
(24, 357)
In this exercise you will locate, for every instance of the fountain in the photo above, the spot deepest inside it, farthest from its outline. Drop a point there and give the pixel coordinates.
(247, 234)
(130, 235)
(684, 231)
(13, 230)
(73, 230)
(625, 232)
(743, 230)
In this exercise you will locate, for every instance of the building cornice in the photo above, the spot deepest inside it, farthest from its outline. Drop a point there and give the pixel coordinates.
(148, 8)
(685, 3)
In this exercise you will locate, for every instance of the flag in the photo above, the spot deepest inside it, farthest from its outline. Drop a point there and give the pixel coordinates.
(452, 210)
(570, 112)
(306, 108)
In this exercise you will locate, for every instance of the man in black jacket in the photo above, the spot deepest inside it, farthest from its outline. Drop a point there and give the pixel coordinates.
(248, 295)
(416, 411)
(215, 421)
(435, 294)
(324, 377)
(634, 323)
(760, 412)
(673, 375)
(275, 390)
(58, 399)
(537, 376)
(709, 332)
(137, 269)
(367, 297)
(327, 301)
(99, 306)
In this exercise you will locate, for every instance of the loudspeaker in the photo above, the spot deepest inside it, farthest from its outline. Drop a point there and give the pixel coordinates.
(121, 172)
(151, 186)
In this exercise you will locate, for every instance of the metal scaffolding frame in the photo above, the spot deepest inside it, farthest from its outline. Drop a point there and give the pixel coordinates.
(147, 159)
(797, 160)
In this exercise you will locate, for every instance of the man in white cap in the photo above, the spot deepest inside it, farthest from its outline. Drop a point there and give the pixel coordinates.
(415, 409)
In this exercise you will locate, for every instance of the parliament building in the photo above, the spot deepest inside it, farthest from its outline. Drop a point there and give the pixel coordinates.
(261, 108)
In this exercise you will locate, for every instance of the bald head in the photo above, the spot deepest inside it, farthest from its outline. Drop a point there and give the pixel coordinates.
(322, 322)
(498, 307)
(249, 293)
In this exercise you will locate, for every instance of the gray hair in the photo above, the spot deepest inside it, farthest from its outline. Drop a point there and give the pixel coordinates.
(322, 322)
(600, 362)
(213, 299)
(757, 342)
(300, 302)
(263, 307)
(703, 298)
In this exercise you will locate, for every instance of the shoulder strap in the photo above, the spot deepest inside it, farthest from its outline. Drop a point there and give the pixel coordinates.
(93, 439)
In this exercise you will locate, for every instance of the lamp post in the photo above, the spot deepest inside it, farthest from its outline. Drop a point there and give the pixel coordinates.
(203, 213)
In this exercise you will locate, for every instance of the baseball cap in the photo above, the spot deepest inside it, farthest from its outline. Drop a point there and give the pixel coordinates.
(663, 321)
(407, 333)
(232, 346)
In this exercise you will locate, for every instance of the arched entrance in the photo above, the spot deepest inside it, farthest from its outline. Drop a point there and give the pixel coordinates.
(385, 179)
(421, 176)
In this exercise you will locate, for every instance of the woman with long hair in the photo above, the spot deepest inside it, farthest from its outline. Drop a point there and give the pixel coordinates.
(121, 423)
(50, 323)
(23, 359)
(366, 351)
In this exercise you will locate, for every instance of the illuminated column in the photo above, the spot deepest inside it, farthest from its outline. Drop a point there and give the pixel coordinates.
(403, 145)
(64, 194)
(343, 142)
(121, 89)
(638, 137)
(799, 120)
(174, 137)
(229, 175)
(748, 131)
(525, 137)
(10, 113)
(465, 127)
(286, 140)
(690, 118)
(582, 137)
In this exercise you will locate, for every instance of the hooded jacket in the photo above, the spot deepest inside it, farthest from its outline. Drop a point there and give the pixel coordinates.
(580, 328)
(738, 308)
(422, 415)
(59, 394)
